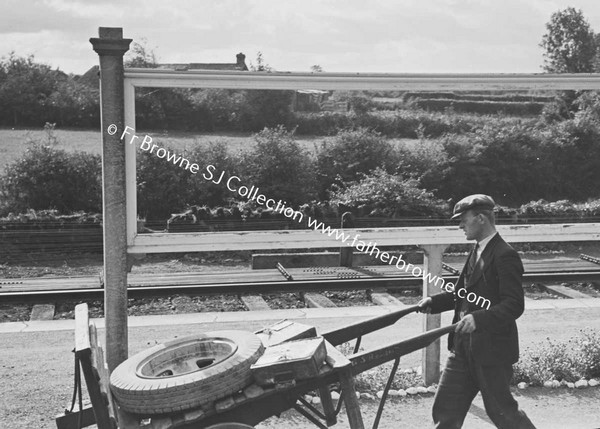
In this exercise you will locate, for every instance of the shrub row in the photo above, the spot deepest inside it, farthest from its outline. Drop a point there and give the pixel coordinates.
(33, 94)
(407, 96)
(516, 166)
(481, 107)
(555, 211)
(404, 123)
(379, 200)
(49, 232)
(212, 109)
(570, 361)
(401, 204)
(516, 161)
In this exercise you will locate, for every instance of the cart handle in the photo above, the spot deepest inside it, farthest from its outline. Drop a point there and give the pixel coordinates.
(370, 359)
(358, 329)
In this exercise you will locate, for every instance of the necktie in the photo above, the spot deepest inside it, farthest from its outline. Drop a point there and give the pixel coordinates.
(470, 268)
(471, 263)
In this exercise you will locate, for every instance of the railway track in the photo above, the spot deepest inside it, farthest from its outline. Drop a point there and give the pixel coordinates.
(306, 281)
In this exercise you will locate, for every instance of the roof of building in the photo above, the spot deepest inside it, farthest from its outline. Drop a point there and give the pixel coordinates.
(92, 76)
(203, 66)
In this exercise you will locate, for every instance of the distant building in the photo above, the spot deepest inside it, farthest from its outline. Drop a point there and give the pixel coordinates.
(239, 65)
(92, 76)
(316, 100)
(309, 100)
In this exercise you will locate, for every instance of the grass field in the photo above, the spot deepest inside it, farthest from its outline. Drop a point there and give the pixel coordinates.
(14, 142)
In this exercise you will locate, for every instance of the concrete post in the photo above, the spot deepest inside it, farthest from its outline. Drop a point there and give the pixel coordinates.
(111, 47)
(432, 263)
(346, 253)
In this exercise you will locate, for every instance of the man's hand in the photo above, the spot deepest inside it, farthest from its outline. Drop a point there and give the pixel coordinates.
(425, 305)
(466, 325)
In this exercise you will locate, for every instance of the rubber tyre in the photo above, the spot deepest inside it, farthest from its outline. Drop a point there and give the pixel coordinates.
(232, 425)
(148, 394)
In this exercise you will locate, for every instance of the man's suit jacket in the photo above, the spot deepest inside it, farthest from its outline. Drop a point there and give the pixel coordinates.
(497, 276)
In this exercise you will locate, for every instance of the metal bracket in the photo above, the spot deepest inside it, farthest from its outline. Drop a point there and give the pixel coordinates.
(450, 269)
(590, 259)
(284, 272)
(310, 412)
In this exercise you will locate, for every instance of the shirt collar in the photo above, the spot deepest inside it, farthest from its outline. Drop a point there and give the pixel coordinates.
(484, 242)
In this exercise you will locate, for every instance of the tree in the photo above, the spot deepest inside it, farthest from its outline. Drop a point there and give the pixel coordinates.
(280, 167)
(596, 61)
(569, 43)
(316, 69)
(25, 87)
(141, 56)
(261, 65)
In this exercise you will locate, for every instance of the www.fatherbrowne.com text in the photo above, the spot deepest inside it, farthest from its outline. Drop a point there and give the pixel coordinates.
(234, 184)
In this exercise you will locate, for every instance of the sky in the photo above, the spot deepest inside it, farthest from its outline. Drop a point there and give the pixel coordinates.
(367, 36)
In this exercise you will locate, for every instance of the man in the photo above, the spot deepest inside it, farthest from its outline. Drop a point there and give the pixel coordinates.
(485, 343)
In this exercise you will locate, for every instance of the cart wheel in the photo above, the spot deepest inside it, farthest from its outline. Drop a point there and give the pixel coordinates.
(231, 425)
(186, 373)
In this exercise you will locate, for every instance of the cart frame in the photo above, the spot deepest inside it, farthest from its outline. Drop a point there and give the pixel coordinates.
(254, 404)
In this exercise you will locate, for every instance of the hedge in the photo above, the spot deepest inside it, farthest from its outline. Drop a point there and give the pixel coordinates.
(481, 107)
(49, 232)
(402, 204)
(407, 96)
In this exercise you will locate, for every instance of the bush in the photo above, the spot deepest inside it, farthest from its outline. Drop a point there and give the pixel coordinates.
(74, 104)
(572, 151)
(555, 111)
(169, 108)
(504, 162)
(423, 160)
(572, 360)
(280, 167)
(559, 211)
(216, 109)
(276, 164)
(205, 192)
(322, 123)
(49, 178)
(545, 362)
(588, 346)
(162, 187)
(520, 161)
(264, 108)
(360, 104)
(385, 195)
(352, 153)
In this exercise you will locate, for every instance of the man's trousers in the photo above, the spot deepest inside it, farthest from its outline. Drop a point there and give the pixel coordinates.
(462, 379)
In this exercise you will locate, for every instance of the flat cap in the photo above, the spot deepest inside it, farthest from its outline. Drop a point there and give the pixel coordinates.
(479, 201)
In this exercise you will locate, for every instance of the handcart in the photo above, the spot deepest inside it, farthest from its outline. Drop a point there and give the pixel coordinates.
(253, 403)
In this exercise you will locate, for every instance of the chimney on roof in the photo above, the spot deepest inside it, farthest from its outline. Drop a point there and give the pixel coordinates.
(241, 61)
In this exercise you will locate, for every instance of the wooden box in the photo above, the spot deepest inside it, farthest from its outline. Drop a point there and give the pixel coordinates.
(285, 331)
(290, 361)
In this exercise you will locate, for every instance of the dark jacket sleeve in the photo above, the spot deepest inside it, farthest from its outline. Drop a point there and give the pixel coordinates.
(511, 297)
(442, 302)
